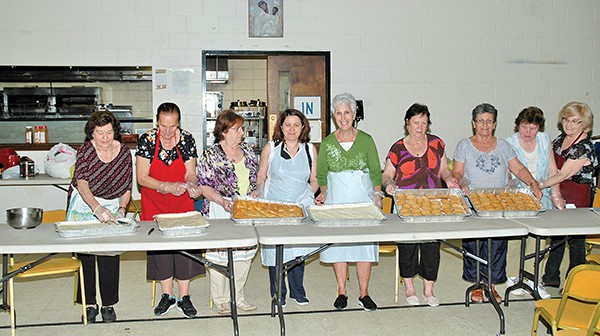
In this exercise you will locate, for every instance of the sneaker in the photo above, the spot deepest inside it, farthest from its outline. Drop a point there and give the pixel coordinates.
(541, 290)
(519, 291)
(223, 309)
(301, 302)
(245, 306)
(108, 314)
(341, 302)
(185, 306)
(283, 303)
(91, 313)
(367, 303)
(166, 303)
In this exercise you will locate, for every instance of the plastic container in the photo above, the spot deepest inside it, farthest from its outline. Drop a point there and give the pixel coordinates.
(28, 134)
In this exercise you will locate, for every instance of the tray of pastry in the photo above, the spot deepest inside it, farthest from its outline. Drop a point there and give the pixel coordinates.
(182, 224)
(350, 214)
(95, 228)
(504, 202)
(431, 205)
(258, 211)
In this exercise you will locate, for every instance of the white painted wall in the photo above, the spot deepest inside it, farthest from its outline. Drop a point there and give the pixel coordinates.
(450, 55)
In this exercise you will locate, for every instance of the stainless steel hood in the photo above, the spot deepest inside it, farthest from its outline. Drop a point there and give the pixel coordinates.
(217, 70)
(74, 74)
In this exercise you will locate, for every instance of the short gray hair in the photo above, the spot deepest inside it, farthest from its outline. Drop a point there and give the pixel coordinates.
(484, 108)
(343, 98)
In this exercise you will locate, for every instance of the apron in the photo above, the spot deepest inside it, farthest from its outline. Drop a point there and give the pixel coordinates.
(287, 181)
(153, 202)
(78, 210)
(576, 193)
(350, 186)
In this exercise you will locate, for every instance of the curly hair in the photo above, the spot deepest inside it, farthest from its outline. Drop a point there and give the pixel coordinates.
(99, 119)
(304, 136)
(577, 109)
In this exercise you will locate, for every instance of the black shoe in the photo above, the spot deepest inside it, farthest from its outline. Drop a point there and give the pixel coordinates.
(91, 313)
(554, 284)
(166, 303)
(108, 314)
(185, 306)
(367, 303)
(341, 302)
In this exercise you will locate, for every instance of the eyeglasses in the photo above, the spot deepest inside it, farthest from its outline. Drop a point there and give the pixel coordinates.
(239, 128)
(487, 122)
(572, 122)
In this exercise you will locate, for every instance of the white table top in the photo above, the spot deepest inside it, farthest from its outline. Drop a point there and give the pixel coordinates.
(393, 229)
(40, 179)
(223, 233)
(554, 222)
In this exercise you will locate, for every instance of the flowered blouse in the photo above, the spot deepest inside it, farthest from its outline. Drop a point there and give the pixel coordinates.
(414, 172)
(217, 171)
(581, 150)
(147, 145)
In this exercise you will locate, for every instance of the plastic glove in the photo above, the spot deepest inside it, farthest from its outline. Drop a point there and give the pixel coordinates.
(391, 189)
(193, 190)
(104, 215)
(558, 201)
(377, 200)
(120, 213)
(174, 188)
(451, 182)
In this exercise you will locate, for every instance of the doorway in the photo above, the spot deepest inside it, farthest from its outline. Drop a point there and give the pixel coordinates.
(279, 80)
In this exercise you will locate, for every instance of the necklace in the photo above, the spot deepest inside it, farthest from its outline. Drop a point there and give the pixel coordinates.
(102, 153)
(292, 150)
(486, 148)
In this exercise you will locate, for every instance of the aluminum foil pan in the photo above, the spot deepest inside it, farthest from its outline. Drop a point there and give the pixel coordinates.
(268, 221)
(352, 214)
(505, 213)
(433, 194)
(182, 224)
(95, 228)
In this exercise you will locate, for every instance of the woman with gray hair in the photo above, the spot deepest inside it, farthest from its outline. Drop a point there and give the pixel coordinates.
(485, 161)
(577, 162)
(348, 171)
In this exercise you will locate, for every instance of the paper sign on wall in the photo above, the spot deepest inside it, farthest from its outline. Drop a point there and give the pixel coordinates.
(309, 105)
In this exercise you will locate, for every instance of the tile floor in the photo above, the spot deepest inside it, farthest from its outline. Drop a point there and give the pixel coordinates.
(44, 307)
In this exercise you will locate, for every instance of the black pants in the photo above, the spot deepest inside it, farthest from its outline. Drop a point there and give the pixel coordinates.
(295, 277)
(576, 257)
(498, 249)
(108, 275)
(426, 266)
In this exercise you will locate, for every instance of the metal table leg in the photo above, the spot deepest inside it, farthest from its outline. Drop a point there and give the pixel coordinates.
(4, 305)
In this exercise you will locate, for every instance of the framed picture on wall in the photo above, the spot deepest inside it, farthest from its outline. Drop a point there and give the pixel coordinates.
(265, 18)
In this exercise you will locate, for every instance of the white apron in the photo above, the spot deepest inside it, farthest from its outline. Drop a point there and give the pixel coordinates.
(287, 181)
(219, 256)
(350, 186)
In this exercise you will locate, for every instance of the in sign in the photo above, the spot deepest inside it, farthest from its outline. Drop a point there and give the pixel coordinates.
(309, 105)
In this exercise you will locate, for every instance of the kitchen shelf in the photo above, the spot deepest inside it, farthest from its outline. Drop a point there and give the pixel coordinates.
(73, 118)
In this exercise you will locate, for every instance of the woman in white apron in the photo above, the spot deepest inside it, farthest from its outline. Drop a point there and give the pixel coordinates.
(348, 171)
(287, 172)
(226, 169)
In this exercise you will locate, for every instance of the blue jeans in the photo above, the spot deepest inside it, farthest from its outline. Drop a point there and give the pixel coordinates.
(499, 250)
(295, 279)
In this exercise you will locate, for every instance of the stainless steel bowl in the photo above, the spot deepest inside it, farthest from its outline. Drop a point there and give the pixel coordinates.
(24, 218)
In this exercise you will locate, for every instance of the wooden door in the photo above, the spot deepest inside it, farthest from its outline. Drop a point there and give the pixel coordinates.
(300, 76)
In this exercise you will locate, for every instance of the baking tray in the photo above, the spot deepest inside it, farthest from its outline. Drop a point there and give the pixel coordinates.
(182, 224)
(429, 193)
(270, 220)
(506, 213)
(95, 228)
(349, 214)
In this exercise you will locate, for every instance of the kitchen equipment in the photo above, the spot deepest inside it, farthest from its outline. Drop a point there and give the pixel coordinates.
(13, 160)
(24, 218)
(213, 104)
(27, 166)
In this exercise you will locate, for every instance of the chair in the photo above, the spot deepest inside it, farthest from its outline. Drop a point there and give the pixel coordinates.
(592, 329)
(590, 243)
(391, 247)
(576, 306)
(50, 266)
(135, 207)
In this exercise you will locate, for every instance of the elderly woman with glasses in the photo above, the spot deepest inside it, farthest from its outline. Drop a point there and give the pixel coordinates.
(485, 161)
(577, 162)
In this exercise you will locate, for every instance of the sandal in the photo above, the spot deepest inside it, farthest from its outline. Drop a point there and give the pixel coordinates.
(477, 295)
(496, 295)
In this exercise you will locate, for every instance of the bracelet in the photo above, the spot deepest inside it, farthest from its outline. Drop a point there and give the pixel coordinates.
(532, 183)
(99, 205)
(380, 193)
